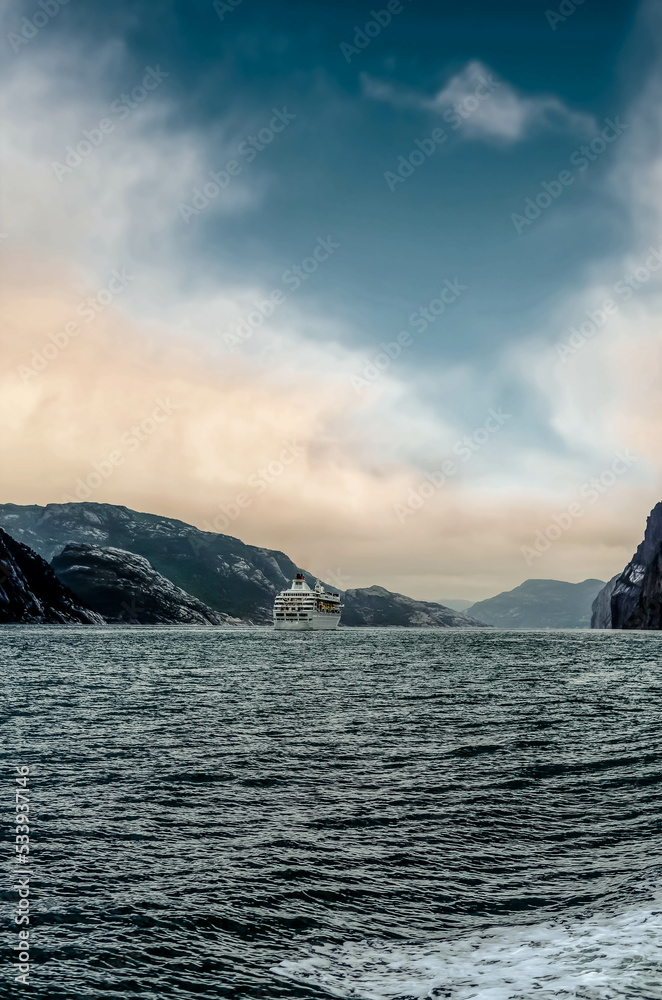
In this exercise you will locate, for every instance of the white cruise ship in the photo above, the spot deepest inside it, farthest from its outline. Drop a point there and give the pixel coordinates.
(301, 608)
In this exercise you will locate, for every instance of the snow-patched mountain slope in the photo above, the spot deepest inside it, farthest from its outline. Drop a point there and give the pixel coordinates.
(124, 587)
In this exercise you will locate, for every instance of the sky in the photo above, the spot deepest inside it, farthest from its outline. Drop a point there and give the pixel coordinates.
(375, 286)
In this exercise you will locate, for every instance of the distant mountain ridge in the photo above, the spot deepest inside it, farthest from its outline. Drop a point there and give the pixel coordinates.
(540, 604)
(226, 576)
(377, 606)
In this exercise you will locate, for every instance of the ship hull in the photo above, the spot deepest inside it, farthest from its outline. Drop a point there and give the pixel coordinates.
(315, 623)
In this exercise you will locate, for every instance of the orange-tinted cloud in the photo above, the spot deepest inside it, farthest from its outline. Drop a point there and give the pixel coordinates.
(128, 414)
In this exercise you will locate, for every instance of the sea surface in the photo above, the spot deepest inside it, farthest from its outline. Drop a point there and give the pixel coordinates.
(374, 814)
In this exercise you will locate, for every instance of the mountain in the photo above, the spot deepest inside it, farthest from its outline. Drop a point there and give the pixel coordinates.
(631, 598)
(228, 577)
(123, 587)
(540, 604)
(377, 606)
(220, 571)
(30, 593)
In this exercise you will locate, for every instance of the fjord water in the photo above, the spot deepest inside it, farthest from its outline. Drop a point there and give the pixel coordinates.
(365, 813)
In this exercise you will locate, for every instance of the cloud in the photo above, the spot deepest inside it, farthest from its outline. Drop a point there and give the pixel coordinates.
(604, 392)
(333, 508)
(115, 199)
(118, 208)
(483, 106)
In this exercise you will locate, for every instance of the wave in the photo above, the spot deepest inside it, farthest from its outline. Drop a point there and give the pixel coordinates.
(608, 958)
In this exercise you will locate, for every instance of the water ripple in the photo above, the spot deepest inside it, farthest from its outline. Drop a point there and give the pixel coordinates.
(366, 814)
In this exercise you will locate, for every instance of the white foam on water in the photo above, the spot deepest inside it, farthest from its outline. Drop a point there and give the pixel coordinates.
(613, 958)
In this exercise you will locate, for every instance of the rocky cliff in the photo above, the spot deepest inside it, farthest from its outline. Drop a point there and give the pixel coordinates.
(372, 606)
(647, 613)
(615, 605)
(540, 604)
(30, 593)
(125, 588)
(601, 608)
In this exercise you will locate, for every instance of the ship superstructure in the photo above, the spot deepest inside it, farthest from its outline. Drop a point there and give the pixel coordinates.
(301, 608)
